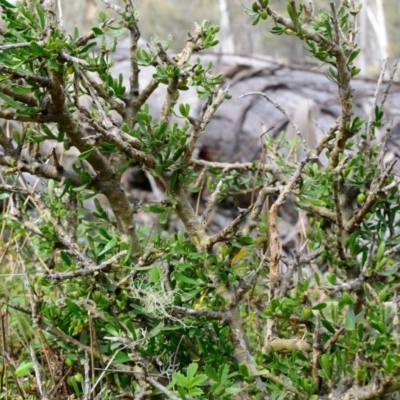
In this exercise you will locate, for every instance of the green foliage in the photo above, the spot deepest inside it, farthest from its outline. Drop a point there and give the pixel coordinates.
(98, 297)
(188, 385)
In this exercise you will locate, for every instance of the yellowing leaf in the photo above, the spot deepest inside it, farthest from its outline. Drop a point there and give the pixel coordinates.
(200, 301)
(240, 254)
(70, 70)
(194, 357)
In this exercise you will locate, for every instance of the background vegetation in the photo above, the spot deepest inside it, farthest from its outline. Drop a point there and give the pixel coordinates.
(177, 17)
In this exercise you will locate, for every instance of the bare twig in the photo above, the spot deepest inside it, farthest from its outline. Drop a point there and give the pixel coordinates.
(284, 112)
(228, 230)
(39, 381)
(88, 270)
(211, 315)
(170, 395)
(113, 6)
(369, 127)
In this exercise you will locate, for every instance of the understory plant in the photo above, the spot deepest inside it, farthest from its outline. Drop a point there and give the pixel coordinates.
(105, 296)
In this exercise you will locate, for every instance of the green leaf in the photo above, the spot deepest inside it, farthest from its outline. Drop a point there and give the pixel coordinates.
(41, 14)
(65, 258)
(16, 104)
(153, 209)
(160, 130)
(192, 293)
(48, 132)
(102, 231)
(202, 94)
(182, 393)
(380, 251)
(17, 137)
(233, 390)
(246, 240)
(102, 16)
(328, 325)
(76, 33)
(212, 373)
(277, 30)
(378, 113)
(360, 331)
(97, 31)
(353, 55)
(87, 47)
(6, 4)
(72, 382)
(132, 331)
(172, 182)
(333, 75)
(184, 109)
(195, 392)
(262, 372)
(155, 331)
(177, 154)
(328, 27)
(256, 21)
(164, 218)
(350, 322)
(382, 263)
(4, 196)
(314, 201)
(319, 306)
(82, 187)
(223, 374)
(155, 274)
(25, 368)
(355, 71)
(182, 278)
(244, 370)
(331, 278)
(326, 365)
(291, 12)
(121, 358)
(86, 154)
(36, 49)
(191, 371)
(111, 330)
(180, 379)
(73, 307)
(21, 89)
(109, 246)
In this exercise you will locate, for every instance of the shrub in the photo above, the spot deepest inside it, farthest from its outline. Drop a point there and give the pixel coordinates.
(111, 297)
